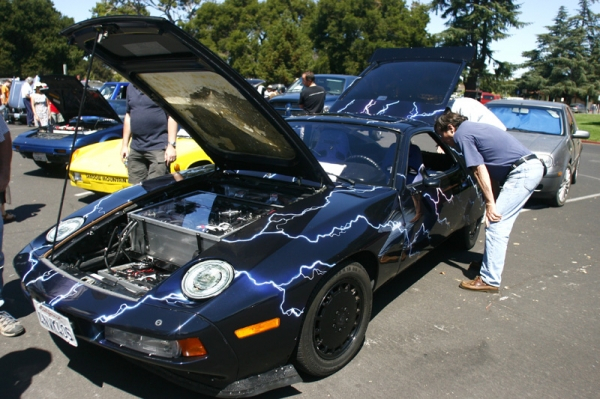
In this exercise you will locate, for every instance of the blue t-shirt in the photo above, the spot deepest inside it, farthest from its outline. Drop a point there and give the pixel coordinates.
(481, 143)
(147, 120)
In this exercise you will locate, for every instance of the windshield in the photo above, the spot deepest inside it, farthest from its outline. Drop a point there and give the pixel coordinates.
(332, 85)
(362, 154)
(107, 90)
(529, 119)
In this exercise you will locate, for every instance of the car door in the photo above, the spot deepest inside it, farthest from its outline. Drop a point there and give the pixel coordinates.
(431, 194)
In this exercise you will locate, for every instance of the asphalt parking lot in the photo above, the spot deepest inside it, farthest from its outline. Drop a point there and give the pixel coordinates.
(538, 338)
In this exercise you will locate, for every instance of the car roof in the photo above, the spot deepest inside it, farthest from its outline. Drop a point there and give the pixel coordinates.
(527, 103)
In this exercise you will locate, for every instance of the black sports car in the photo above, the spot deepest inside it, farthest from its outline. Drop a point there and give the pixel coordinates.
(245, 275)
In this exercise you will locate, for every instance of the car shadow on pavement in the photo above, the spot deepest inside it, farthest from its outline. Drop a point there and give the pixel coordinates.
(16, 303)
(47, 173)
(446, 253)
(19, 368)
(25, 211)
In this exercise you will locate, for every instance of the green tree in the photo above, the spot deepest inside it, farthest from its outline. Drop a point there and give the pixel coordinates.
(30, 43)
(176, 11)
(286, 49)
(560, 67)
(345, 43)
(478, 23)
(233, 30)
(119, 7)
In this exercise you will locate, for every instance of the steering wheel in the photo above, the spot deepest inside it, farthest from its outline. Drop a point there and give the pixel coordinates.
(364, 159)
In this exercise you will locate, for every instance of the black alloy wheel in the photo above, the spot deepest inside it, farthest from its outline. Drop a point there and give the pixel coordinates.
(336, 322)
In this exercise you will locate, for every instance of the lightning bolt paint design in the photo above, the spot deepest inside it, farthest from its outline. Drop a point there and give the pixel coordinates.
(386, 107)
(440, 193)
(347, 105)
(72, 292)
(366, 109)
(170, 299)
(97, 208)
(281, 287)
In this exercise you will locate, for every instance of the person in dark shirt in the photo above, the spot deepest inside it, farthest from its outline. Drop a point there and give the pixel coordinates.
(312, 97)
(493, 154)
(153, 137)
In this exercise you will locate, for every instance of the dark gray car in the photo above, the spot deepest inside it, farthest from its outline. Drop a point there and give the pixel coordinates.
(549, 130)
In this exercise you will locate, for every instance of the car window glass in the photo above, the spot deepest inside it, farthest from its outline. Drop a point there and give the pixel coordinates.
(218, 113)
(529, 119)
(571, 122)
(426, 158)
(107, 90)
(361, 153)
(331, 85)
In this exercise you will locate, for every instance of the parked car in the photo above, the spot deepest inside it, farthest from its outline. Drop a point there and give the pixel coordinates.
(99, 167)
(229, 277)
(255, 82)
(16, 111)
(287, 103)
(578, 108)
(114, 90)
(52, 148)
(550, 131)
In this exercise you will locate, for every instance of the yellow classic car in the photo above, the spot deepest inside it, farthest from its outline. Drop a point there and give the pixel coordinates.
(99, 168)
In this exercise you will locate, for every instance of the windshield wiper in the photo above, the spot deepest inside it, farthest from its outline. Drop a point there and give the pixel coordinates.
(350, 181)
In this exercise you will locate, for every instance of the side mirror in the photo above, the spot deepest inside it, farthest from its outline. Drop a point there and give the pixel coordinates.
(581, 134)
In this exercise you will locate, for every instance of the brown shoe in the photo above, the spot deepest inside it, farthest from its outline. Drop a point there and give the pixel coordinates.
(477, 284)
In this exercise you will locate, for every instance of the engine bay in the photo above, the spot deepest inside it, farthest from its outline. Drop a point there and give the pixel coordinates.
(139, 249)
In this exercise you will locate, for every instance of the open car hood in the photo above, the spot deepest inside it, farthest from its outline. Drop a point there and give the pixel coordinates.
(226, 116)
(65, 93)
(410, 83)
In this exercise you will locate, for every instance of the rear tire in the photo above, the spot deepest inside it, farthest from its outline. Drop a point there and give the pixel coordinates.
(467, 236)
(336, 322)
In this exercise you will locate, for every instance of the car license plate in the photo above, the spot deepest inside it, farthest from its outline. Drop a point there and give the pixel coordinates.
(55, 322)
(17, 116)
(39, 156)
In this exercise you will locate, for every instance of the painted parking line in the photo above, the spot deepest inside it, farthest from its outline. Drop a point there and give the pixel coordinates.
(591, 177)
(569, 200)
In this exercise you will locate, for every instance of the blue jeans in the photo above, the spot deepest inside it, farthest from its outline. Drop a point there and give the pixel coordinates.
(517, 189)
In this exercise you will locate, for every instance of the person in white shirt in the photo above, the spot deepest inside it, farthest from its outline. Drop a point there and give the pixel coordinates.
(475, 111)
(26, 92)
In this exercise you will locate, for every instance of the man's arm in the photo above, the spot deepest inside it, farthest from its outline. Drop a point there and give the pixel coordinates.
(126, 136)
(171, 152)
(485, 183)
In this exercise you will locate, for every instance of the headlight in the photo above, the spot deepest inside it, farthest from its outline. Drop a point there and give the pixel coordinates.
(546, 159)
(65, 228)
(207, 279)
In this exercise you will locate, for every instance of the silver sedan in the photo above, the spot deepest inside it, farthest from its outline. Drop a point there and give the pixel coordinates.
(549, 130)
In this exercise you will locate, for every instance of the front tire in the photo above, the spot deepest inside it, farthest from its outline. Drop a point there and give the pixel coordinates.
(336, 322)
(560, 197)
(575, 173)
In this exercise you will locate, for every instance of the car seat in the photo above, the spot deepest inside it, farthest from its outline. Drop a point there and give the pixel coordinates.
(415, 164)
(332, 146)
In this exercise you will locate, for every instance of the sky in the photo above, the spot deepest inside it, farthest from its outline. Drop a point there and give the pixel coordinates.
(540, 13)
